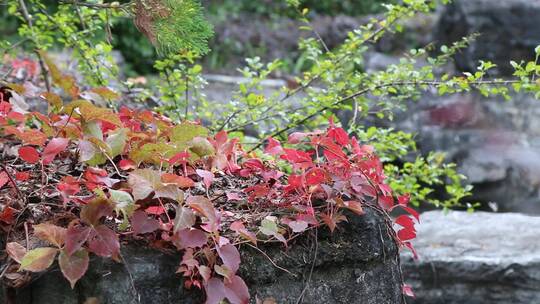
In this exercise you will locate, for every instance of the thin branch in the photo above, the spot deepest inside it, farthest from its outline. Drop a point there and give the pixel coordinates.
(19, 193)
(270, 259)
(98, 5)
(370, 89)
(28, 19)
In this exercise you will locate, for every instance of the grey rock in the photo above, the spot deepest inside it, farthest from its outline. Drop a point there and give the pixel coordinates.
(508, 31)
(475, 259)
(496, 144)
(357, 264)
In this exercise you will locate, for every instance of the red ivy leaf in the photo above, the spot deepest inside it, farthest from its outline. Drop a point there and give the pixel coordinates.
(239, 228)
(103, 242)
(407, 290)
(22, 176)
(190, 238)
(141, 223)
(51, 233)
(73, 266)
(273, 147)
(405, 221)
(76, 236)
(230, 257)
(205, 207)
(315, 176)
(4, 178)
(297, 137)
(15, 251)
(92, 212)
(155, 210)
(406, 234)
(29, 154)
(236, 290)
(354, 206)
(180, 181)
(215, 291)
(7, 215)
(127, 164)
(207, 176)
(55, 146)
(339, 136)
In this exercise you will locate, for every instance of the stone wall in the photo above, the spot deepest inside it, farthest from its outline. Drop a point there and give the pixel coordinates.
(356, 264)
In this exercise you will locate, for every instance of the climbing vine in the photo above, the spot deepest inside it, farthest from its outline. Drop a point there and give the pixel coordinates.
(101, 177)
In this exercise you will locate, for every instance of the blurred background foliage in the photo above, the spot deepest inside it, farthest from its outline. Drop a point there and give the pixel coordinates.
(139, 54)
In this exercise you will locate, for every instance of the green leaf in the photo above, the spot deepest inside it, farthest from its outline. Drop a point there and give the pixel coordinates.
(38, 259)
(185, 132)
(143, 182)
(117, 141)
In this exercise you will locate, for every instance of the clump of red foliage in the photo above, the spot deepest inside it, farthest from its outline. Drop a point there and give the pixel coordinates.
(85, 178)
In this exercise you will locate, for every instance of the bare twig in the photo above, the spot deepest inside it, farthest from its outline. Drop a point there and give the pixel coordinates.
(98, 5)
(270, 259)
(19, 193)
(301, 297)
(28, 20)
(373, 88)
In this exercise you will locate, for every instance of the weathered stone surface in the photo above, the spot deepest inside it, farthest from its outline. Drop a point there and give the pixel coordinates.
(356, 264)
(496, 144)
(475, 259)
(508, 29)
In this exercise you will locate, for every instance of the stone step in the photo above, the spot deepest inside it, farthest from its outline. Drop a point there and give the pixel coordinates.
(475, 259)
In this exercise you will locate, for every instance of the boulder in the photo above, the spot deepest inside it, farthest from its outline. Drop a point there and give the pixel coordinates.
(358, 263)
(495, 143)
(475, 259)
(508, 29)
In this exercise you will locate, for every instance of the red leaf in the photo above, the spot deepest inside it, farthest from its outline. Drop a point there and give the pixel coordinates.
(405, 221)
(230, 257)
(33, 137)
(15, 251)
(236, 290)
(239, 228)
(315, 176)
(205, 207)
(22, 176)
(73, 266)
(55, 146)
(155, 210)
(207, 176)
(7, 215)
(29, 154)
(295, 183)
(76, 236)
(181, 157)
(92, 212)
(339, 136)
(411, 211)
(406, 234)
(297, 137)
(299, 158)
(4, 178)
(215, 291)
(127, 164)
(190, 238)
(273, 147)
(407, 290)
(180, 181)
(53, 234)
(354, 206)
(141, 223)
(233, 196)
(103, 242)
